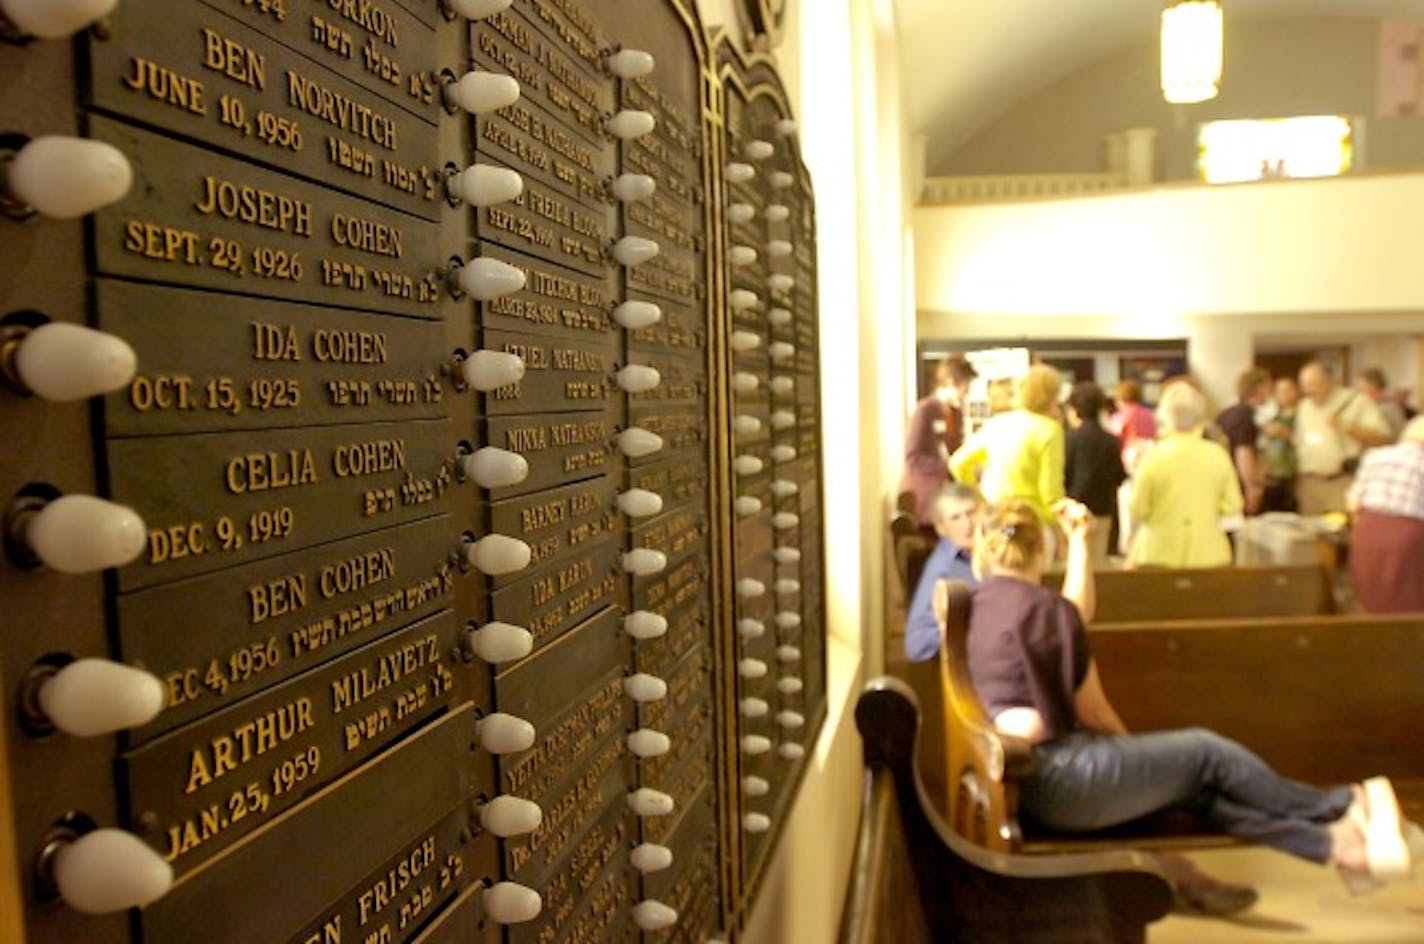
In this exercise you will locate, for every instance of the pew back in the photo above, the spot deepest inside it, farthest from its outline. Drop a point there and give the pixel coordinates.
(1265, 590)
(1325, 699)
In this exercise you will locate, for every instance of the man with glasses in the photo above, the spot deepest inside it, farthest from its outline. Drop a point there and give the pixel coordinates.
(954, 511)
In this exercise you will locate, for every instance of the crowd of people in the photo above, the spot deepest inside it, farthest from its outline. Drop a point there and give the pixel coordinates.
(1033, 487)
(1168, 486)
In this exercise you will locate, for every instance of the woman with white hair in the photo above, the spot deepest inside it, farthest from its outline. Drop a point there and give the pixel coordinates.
(1387, 539)
(1182, 490)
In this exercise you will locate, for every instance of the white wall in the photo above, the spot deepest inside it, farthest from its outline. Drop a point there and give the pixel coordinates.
(1218, 265)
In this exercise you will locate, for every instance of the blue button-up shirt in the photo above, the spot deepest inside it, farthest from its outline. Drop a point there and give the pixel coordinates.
(949, 561)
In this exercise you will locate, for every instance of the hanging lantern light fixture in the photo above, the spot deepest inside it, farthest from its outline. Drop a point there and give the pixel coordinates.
(1191, 50)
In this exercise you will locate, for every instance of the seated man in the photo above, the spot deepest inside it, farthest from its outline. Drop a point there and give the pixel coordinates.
(954, 510)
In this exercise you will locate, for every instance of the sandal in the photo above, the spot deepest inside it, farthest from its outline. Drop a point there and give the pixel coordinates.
(1386, 851)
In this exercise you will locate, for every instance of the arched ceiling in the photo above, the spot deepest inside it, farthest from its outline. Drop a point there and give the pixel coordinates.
(965, 62)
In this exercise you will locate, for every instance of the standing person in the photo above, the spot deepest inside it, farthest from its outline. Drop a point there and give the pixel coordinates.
(1092, 461)
(1033, 669)
(956, 511)
(1387, 538)
(936, 430)
(1333, 427)
(1278, 450)
(1372, 383)
(1135, 425)
(1019, 454)
(1182, 490)
(1238, 424)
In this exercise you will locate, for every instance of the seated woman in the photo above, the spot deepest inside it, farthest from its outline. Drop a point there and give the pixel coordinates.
(1034, 673)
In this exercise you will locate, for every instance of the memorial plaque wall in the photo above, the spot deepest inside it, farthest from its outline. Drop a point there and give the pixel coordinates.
(379, 553)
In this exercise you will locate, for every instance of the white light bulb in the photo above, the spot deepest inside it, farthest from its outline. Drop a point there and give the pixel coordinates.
(787, 619)
(497, 642)
(48, 19)
(646, 742)
(787, 585)
(755, 786)
(779, 317)
(751, 668)
(645, 624)
(110, 870)
(746, 424)
(786, 555)
(643, 687)
(749, 588)
(777, 213)
(633, 315)
(489, 370)
(630, 187)
(746, 505)
(78, 534)
(778, 248)
(754, 744)
(780, 282)
(781, 385)
(650, 857)
(507, 816)
(63, 362)
(788, 653)
(640, 503)
(636, 442)
(786, 127)
(485, 279)
(645, 801)
(756, 822)
(642, 561)
(784, 488)
(652, 915)
(781, 179)
(638, 378)
(502, 733)
(630, 63)
(743, 382)
(498, 554)
(759, 150)
(748, 465)
(486, 184)
(633, 250)
(95, 696)
(783, 453)
(741, 255)
(630, 123)
(790, 719)
(791, 751)
(511, 903)
(741, 299)
(741, 212)
(479, 9)
(785, 520)
(754, 707)
(790, 685)
(749, 628)
(492, 467)
(783, 419)
(482, 92)
(780, 350)
(65, 178)
(743, 341)
(739, 173)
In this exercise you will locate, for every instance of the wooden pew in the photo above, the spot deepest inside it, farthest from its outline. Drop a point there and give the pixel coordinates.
(915, 880)
(1325, 699)
(1209, 592)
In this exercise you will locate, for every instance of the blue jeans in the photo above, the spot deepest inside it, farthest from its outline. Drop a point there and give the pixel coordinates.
(1087, 781)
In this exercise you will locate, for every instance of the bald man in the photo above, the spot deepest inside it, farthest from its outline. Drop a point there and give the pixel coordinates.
(1333, 426)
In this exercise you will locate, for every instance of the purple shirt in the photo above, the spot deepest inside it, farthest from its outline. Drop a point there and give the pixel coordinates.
(1027, 649)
